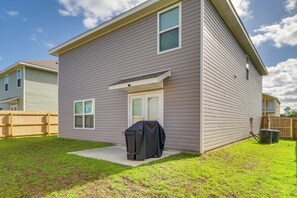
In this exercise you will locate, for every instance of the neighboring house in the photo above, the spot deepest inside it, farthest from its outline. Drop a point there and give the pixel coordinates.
(270, 105)
(189, 64)
(29, 86)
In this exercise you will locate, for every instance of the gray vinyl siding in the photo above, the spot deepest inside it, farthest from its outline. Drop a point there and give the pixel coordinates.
(41, 90)
(13, 91)
(87, 71)
(229, 101)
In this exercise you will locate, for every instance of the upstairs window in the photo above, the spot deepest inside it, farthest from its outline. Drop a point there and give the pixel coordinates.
(247, 69)
(6, 80)
(169, 29)
(84, 115)
(19, 78)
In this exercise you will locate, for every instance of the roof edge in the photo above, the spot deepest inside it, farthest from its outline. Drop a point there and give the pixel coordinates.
(235, 20)
(55, 50)
(272, 97)
(35, 66)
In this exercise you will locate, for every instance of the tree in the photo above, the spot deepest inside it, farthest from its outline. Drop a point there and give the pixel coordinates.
(290, 113)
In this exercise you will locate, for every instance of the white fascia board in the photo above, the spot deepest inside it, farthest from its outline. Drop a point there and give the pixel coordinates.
(39, 67)
(28, 65)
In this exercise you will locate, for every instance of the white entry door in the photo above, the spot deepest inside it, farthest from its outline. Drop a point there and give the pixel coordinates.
(146, 106)
(13, 107)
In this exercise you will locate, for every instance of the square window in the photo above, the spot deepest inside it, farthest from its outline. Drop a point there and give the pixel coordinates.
(84, 117)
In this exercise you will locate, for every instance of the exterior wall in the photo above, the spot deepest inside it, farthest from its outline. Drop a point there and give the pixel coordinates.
(13, 91)
(277, 109)
(41, 91)
(229, 101)
(87, 71)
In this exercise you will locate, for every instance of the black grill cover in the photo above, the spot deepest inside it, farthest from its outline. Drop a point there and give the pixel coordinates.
(145, 139)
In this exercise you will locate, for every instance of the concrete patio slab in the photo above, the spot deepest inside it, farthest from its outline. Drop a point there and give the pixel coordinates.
(118, 154)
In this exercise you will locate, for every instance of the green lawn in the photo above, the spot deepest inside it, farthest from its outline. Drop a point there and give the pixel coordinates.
(40, 166)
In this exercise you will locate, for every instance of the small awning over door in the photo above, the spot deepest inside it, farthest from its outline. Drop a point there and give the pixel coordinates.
(145, 82)
(11, 101)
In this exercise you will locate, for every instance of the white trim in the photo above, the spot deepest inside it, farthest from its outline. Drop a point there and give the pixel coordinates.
(19, 70)
(201, 146)
(6, 83)
(24, 88)
(132, 84)
(145, 95)
(83, 114)
(179, 5)
(110, 22)
(39, 67)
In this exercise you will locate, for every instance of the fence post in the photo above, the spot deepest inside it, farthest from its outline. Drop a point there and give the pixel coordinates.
(11, 125)
(291, 128)
(48, 124)
(269, 122)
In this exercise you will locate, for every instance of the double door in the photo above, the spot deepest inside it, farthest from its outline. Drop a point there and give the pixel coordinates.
(146, 106)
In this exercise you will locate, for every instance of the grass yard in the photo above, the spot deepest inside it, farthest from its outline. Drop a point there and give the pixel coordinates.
(34, 167)
(40, 166)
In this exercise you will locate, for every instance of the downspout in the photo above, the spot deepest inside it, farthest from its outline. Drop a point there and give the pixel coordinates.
(201, 146)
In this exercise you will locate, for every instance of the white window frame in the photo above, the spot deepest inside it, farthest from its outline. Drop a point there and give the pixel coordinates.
(145, 94)
(179, 5)
(19, 78)
(7, 76)
(247, 66)
(83, 114)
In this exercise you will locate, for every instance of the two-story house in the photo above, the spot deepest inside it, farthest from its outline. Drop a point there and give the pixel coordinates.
(188, 64)
(270, 105)
(30, 86)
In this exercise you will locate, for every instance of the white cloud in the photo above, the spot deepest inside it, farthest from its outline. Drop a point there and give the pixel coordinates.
(33, 38)
(12, 13)
(48, 44)
(282, 83)
(242, 7)
(283, 33)
(40, 38)
(39, 30)
(95, 11)
(290, 5)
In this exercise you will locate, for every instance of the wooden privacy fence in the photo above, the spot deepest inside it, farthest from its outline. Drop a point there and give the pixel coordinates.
(20, 123)
(287, 126)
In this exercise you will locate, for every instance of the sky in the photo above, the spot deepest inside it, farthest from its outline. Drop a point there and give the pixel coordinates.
(28, 29)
